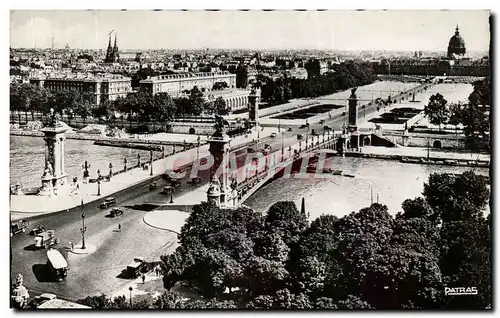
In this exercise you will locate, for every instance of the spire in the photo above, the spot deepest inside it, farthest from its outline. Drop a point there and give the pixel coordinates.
(115, 46)
(457, 31)
(303, 208)
(109, 42)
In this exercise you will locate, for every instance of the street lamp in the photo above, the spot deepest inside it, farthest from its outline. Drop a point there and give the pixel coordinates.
(83, 229)
(282, 147)
(198, 148)
(130, 290)
(151, 161)
(98, 182)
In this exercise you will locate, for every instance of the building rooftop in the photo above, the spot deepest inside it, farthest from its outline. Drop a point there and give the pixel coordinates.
(83, 77)
(184, 75)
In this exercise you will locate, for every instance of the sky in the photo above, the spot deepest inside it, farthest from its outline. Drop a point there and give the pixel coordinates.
(406, 30)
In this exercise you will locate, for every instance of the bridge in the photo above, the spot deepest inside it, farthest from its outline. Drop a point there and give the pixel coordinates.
(252, 176)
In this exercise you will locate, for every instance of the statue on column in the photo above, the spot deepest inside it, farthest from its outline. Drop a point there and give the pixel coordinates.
(86, 173)
(49, 171)
(54, 118)
(20, 294)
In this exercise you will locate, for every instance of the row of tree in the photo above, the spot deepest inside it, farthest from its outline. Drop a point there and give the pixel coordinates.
(473, 115)
(367, 259)
(343, 76)
(137, 105)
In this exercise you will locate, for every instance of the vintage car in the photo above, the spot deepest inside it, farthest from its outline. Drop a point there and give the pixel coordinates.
(115, 212)
(45, 239)
(18, 227)
(37, 230)
(108, 202)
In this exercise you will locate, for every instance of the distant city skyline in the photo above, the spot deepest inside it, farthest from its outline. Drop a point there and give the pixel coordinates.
(258, 30)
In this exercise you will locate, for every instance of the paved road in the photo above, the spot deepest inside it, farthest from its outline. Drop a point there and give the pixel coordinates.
(98, 272)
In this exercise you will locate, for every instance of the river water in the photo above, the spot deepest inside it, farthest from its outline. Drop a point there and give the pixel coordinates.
(392, 181)
(27, 159)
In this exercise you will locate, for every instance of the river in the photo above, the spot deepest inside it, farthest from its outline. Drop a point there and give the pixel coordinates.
(392, 181)
(27, 158)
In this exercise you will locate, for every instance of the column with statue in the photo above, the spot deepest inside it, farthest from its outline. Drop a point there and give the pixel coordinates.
(219, 149)
(54, 177)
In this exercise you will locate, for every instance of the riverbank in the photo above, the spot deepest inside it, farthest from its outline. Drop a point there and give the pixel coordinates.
(79, 136)
(420, 156)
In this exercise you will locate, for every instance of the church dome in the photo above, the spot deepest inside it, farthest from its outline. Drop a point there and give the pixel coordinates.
(456, 46)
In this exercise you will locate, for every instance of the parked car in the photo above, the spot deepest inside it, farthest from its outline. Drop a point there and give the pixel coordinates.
(289, 129)
(116, 212)
(108, 202)
(327, 128)
(250, 150)
(18, 227)
(314, 133)
(37, 230)
(300, 137)
(273, 135)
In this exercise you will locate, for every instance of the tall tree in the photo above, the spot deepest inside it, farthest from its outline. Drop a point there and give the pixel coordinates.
(197, 101)
(436, 110)
(220, 107)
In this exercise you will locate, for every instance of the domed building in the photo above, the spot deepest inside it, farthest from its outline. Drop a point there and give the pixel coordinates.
(456, 46)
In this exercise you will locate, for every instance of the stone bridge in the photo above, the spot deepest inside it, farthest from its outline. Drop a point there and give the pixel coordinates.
(252, 176)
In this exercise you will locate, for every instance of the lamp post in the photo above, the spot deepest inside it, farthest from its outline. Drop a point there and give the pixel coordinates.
(171, 195)
(98, 182)
(282, 146)
(151, 161)
(198, 148)
(130, 290)
(83, 229)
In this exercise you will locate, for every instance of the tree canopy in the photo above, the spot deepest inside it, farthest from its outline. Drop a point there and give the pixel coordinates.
(367, 259)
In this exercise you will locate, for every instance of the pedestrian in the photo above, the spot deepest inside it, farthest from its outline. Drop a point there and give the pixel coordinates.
(119, 227)
(143, 278)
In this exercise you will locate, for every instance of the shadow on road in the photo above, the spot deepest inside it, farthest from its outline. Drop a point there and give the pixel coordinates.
(43, 273)
(143, 207)
(125, 275)
(31, 247)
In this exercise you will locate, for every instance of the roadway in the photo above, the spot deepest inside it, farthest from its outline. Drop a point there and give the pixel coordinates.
(99, 272)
